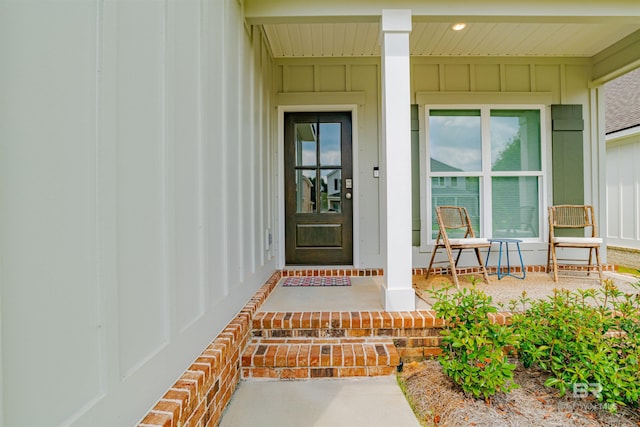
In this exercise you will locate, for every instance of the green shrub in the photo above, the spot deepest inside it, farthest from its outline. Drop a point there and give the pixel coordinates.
(589, 341)
(473, 347)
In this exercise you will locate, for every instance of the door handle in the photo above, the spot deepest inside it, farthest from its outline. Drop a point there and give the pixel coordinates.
(348, 196)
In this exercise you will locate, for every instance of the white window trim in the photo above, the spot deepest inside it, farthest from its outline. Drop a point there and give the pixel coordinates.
(544, 176)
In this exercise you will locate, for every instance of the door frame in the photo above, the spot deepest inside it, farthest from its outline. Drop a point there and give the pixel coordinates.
(353, 109)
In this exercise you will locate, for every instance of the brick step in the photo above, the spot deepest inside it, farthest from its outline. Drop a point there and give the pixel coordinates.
(415, 334)
(346, 320)
(318, 358)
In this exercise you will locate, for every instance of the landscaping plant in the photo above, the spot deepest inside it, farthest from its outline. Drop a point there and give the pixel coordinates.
(473, 347)
(588, 340)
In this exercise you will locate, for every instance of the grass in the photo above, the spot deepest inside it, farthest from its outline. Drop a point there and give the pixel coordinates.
(628, 270)
(402, 382)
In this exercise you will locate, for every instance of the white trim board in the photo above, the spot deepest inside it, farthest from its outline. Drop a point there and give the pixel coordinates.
(315, 107)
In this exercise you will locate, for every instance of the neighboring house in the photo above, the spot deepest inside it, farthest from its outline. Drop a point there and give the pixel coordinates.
(148, 164)
(305, 194)
(623, 157)
(334, 190)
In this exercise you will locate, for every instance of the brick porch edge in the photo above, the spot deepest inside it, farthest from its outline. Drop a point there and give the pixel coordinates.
(200, 396)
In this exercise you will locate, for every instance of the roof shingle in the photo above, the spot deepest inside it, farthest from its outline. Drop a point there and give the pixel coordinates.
(622, 102)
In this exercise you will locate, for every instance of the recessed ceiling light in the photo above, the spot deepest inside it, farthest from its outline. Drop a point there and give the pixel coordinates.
(459, 26)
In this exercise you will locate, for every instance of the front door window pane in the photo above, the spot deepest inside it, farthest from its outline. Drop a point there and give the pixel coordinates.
(515, 206)
(306, 136)
(305, 190)
(455, 140)
(330, 153)
(515, 140)
(456, 191)
(330, 197)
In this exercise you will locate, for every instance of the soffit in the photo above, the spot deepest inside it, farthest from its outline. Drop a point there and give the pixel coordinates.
(361, 39)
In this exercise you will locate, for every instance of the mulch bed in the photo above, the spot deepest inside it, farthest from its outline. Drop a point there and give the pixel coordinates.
(437, 401)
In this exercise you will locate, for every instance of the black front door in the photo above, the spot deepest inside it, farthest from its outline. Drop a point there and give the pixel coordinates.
(318, 189)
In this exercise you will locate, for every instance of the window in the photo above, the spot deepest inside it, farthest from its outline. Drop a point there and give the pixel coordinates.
(488, 160)
(318, 159)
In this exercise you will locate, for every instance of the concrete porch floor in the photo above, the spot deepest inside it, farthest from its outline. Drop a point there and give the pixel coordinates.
(537, 285)
(364, 294)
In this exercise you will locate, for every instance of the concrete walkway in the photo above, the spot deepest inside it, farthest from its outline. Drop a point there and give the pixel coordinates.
(370, 402)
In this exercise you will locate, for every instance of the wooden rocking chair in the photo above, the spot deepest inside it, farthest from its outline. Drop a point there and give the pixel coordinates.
(573, 217)
(456, 218)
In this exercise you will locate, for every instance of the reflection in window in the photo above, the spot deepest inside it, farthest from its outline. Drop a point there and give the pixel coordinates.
(515, 206)
(457, 191)
(306, 136)
(455, 140)
(318, 167)
(510, 181)
(515, 140)
(331, 196)
(330, 154)
(305, 190)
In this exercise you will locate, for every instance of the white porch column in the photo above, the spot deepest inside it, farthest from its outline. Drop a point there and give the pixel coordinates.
(396, 160)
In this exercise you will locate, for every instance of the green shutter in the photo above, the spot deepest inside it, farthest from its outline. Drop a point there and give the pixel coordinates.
(568, 159)
(567, 152)
(415, 176)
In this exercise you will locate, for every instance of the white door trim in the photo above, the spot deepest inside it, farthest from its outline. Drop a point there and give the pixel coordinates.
(282, 109)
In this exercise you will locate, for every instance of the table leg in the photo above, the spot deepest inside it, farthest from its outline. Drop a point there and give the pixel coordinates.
(499, 272)
(500, 261)
(524, 273)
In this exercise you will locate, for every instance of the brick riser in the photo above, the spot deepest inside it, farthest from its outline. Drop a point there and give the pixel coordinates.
(411, 344)
(300, 358)
(415, 335)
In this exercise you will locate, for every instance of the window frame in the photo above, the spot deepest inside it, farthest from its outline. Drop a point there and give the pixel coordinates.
(486, 174)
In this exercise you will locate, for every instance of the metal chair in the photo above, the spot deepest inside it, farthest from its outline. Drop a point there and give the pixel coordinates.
(451, 218)
(576, 217)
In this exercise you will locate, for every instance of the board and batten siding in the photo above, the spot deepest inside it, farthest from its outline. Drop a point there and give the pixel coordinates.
(623, 192)
(520, 80)
(511, 81)
(137, 194)
(437, 80)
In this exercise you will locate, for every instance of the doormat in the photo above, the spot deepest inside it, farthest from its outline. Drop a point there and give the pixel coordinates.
(316, 281)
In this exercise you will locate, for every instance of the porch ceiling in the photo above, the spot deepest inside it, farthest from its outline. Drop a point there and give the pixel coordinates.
(551, 28)
(499, 38)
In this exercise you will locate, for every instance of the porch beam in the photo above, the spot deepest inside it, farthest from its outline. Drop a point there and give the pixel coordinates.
(398, 293)
(572, 11)
(617, 59)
